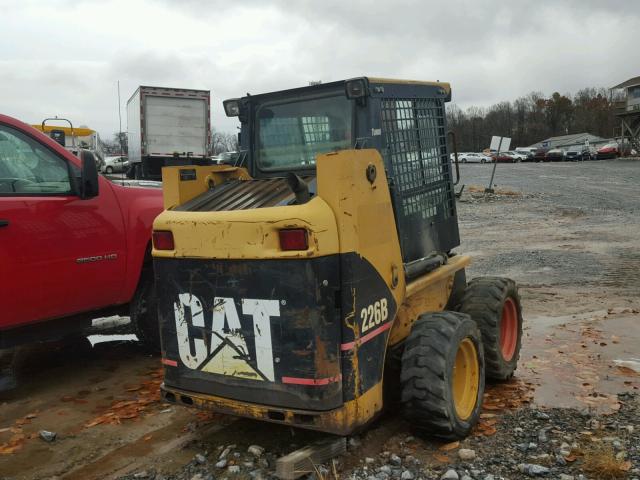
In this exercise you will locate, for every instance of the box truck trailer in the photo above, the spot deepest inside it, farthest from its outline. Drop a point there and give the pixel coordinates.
(167, 127)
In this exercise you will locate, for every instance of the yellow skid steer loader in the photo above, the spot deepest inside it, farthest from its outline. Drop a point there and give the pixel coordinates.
(301, 284)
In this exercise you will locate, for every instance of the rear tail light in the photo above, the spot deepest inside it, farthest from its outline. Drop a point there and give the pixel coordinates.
(293, 239)
(163, 240)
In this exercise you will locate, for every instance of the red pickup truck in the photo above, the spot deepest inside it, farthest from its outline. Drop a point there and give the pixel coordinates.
(74, 246)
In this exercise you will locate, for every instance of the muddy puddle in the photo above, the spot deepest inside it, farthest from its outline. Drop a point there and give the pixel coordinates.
(582, 361)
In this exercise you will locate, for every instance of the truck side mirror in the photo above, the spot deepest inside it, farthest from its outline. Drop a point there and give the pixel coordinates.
(88, 176)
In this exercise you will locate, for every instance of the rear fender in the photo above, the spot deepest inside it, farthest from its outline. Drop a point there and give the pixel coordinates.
(354, 184)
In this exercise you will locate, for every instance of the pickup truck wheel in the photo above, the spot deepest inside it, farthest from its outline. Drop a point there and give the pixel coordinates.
(144, 312)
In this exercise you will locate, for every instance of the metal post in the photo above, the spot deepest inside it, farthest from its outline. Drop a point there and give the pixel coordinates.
(489, 189)
(120, 121)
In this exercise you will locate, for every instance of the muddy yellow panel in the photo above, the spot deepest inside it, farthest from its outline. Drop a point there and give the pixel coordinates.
(354, 184)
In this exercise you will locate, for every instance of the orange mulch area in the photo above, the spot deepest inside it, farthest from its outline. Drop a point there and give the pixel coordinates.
(146, 398)
(18, 437)
(502, 397)
(147, 395)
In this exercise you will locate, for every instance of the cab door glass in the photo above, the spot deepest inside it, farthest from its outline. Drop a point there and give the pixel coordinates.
(28, 168)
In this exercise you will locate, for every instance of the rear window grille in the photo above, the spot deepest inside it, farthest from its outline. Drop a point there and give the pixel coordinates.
(416, 147)
(316, 129)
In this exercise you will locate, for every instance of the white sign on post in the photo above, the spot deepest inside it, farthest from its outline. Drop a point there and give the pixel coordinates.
(500, 144)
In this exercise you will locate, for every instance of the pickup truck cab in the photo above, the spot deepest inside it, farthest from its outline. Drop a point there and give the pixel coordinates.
(74, 245)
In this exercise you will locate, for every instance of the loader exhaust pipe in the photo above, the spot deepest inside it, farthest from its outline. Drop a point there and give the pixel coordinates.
(299, 187)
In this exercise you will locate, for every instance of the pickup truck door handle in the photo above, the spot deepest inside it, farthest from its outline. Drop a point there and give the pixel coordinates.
(4, 223)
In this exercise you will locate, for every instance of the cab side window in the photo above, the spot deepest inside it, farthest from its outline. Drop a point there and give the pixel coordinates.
(28, 168)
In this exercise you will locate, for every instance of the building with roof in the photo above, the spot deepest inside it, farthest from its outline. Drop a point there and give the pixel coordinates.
(566, 142)
(628, 112)
(631, 90)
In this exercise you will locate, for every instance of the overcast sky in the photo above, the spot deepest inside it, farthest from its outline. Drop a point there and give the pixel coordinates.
(65, 57)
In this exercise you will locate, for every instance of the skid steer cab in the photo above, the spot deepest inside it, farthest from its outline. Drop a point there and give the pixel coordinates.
(316, 278)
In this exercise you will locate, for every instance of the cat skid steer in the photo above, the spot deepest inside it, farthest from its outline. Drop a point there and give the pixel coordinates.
(316, 278)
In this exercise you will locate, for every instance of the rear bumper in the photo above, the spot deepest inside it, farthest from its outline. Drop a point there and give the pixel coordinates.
(340, 421)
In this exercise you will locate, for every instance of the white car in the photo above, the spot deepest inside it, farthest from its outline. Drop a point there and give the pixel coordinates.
(527, 154)
(472, 157)
(517, 157)
(115, 164)
(228, 158)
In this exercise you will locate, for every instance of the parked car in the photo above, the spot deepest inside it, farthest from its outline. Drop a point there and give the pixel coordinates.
(115, 164)
(78, 152)
(228, 158)
(540, 155)
(576, 154)
(504, 157)
(610, 150)
(527, 155)
(518, 157)
(74, 245)
(472, 157)
(555, 155)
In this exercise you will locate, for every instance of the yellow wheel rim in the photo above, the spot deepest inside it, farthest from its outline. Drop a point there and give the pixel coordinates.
(465, 379)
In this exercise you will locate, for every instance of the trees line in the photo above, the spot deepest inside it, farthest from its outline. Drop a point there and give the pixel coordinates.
(534, 117)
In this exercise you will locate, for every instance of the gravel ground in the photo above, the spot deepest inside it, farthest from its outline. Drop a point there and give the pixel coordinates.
(529, 443)
(561, 224)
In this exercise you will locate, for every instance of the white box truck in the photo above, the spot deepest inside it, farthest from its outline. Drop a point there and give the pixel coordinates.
(167, 126)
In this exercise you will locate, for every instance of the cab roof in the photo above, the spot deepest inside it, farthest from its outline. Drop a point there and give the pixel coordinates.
(445, 86)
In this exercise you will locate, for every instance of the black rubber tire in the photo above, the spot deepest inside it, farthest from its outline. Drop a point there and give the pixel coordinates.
(143, 311)
(427, 372)
(109, 170)
(483, 301)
